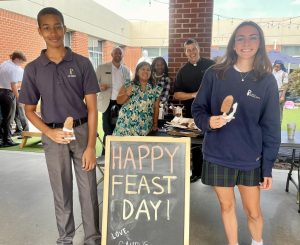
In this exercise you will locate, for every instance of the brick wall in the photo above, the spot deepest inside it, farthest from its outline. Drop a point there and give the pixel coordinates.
(107, 47)
(188, 19)
(271, 47)
(19, 32)
(79, 43)
(131, 57)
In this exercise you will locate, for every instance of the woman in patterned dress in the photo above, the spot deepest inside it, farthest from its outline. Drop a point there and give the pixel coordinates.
(140, 100)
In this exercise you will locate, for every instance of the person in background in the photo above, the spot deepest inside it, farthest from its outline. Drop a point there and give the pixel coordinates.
(68, 86)
(240, 146)
(160, 75)
(140, 104)
(282, 78)
(20, 118)
(111, 77)
(10, 74)
(187, 83)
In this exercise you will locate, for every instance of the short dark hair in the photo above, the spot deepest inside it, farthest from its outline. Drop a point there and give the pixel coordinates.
(51, 11)
(191, 41)
(18, 55)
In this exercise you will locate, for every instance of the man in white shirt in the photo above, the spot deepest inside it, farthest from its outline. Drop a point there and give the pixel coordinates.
(111, 76)
(10, 74)
(282, 78)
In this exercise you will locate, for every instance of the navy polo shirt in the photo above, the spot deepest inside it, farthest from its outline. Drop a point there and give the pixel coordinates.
(61, 87)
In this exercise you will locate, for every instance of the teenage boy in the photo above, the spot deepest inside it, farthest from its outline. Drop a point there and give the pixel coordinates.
(67, 85)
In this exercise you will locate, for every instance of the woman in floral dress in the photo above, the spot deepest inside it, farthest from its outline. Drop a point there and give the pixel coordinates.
(140, 99)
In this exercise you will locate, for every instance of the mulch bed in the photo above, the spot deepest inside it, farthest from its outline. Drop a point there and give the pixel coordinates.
(282, 165)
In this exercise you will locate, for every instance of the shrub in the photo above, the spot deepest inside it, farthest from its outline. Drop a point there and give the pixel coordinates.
(294, 82)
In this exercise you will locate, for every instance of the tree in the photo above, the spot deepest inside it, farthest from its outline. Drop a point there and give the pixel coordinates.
(294, 82)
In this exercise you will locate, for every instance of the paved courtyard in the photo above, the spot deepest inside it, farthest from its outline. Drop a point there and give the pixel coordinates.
(27, 211)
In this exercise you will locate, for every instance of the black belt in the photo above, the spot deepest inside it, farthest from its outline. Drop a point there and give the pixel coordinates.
(76, 123)
(6, 90)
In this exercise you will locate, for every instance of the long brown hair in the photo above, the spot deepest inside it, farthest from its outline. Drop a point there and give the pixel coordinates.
(261, 65)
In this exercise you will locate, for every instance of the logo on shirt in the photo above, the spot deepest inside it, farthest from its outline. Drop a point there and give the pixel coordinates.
(249, 93)
(71, 73)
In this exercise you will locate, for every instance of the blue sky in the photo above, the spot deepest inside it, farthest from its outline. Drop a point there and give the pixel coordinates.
(158, 9)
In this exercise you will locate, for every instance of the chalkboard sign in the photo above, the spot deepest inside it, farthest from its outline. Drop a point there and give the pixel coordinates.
(146, 191)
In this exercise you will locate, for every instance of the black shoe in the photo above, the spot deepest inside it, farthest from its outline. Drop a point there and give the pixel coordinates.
(194, 178)
(9, 143)
(21, 137)
(17, 133)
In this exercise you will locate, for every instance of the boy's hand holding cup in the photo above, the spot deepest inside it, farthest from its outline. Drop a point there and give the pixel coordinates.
(68, 127)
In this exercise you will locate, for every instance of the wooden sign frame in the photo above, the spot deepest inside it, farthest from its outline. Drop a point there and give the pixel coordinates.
(107, 180)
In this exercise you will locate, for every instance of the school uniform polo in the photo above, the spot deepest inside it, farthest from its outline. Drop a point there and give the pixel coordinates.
(61, 87)
(10, 73)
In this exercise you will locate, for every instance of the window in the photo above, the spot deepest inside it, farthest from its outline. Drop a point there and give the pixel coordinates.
(159, 51)
(67, 39)
(95, 51)
(291, 50)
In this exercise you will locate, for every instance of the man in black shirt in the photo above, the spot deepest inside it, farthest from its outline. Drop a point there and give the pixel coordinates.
(188, 81)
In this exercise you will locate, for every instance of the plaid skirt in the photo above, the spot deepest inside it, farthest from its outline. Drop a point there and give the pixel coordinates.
(217, 175)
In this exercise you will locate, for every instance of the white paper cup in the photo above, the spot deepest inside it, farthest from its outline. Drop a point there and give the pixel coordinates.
(291, 128)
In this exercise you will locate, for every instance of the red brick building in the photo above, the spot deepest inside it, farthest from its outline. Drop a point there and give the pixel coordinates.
(187, 19)
(19, 32)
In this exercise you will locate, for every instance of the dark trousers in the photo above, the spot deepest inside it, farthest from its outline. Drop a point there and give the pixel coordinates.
(108, 125)
(197, 159)
(20, 119)
(7, 107)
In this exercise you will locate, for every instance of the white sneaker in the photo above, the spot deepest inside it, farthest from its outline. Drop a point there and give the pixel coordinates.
(257, 243)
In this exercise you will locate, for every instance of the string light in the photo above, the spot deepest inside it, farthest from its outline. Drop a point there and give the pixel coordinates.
(288, 22)
(159, 1)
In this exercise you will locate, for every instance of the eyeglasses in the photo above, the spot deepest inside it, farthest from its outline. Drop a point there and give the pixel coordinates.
(47, 28)
(243, 39)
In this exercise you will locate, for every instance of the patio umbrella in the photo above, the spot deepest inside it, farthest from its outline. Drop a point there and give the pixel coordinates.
(287, 59)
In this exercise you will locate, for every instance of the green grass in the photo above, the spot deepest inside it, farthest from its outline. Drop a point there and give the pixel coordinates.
(34, 143)
(291, 115)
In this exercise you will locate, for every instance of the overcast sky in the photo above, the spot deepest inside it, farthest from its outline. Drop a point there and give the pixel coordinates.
(158, 9)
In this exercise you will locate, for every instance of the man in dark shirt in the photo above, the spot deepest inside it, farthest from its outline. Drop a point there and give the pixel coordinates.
(187, 83)
(67, 85)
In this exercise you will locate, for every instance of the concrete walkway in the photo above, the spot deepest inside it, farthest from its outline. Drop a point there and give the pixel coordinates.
(27, 211)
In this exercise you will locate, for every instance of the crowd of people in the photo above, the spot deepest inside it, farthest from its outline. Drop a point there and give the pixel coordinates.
(237, 151)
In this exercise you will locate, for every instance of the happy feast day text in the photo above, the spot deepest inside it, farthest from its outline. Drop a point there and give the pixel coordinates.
(146, 171)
